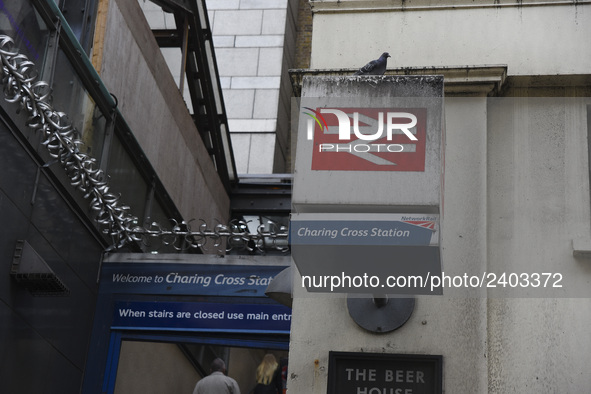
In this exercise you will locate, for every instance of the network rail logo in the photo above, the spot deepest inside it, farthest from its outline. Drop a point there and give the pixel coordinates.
(367, 139)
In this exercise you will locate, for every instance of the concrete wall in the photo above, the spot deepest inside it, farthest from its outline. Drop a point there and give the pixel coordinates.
(538, 202)
(140, 362)
(135, 71)
(516, 196)
(530, 39)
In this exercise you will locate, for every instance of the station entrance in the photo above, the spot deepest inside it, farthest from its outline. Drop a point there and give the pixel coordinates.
(162, 319)
(163, 363)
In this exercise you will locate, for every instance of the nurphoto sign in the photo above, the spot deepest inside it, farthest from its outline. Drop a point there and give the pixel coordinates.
(380, 373)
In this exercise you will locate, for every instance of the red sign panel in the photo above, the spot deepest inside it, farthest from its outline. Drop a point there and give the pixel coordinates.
(368, 139)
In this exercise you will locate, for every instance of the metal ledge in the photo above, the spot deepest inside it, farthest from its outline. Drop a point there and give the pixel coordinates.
(582, 248)
(32, 272)
(334, 6)
(484, 80)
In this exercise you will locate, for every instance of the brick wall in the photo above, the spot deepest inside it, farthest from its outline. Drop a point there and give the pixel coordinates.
(304, 35)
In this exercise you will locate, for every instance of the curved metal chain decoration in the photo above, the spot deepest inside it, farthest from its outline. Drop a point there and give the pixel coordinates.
(19, 78)
(233, 236)
(61, 139)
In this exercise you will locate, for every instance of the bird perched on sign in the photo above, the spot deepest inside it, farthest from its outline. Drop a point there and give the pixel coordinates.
(375, 67)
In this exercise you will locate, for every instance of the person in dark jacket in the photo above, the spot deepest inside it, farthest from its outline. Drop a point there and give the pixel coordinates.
(268, 376)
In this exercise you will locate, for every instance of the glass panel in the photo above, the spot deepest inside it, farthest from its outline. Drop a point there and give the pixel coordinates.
(214, 78)
(227, 151)
(202, 13)
(70, 97)
(126, 180)
(20, 21)
(78, 15)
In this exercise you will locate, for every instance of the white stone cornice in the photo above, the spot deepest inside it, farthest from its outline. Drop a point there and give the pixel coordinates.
(484, 80)
(430, 5)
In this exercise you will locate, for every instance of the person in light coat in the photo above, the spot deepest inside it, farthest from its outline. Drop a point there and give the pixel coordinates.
(217, 382)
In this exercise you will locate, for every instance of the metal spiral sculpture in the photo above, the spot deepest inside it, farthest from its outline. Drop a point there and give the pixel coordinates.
(19, 76)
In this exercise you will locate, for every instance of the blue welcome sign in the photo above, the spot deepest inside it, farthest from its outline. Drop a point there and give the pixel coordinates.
(222, 303)
(187, 279)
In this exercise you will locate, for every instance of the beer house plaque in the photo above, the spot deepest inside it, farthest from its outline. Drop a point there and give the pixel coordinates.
(381, 373)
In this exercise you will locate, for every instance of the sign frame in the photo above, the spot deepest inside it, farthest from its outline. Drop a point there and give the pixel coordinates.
(336, 358)
(337, 245)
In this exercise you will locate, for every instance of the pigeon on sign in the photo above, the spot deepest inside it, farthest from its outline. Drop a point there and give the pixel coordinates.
(375, 67)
